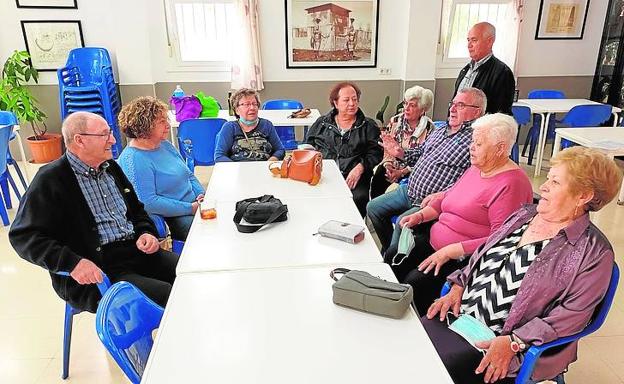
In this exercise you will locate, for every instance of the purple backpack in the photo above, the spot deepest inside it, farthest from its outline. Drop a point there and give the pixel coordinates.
(186, 107)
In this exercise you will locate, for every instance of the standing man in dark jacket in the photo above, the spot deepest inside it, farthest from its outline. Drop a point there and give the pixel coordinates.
(81, 215)
(350, 138)
(486, 72)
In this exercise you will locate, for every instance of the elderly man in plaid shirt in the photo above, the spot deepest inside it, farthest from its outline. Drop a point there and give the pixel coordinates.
(81, 215)
(436, 165)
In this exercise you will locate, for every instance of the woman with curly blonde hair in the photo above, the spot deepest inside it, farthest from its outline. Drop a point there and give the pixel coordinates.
(155, 168)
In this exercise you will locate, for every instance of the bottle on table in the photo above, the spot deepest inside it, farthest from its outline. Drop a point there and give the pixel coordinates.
(178, 92)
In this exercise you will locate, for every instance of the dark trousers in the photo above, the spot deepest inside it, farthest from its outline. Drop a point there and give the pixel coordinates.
(361, 193)
(459, 357)
(153, 274)
(379, 183)
(427, 286)
(422, 250)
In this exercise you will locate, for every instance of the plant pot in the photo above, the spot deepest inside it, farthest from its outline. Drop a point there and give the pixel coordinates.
(47, 148)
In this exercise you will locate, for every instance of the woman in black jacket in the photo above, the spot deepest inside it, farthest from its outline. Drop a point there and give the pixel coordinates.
(347, 136)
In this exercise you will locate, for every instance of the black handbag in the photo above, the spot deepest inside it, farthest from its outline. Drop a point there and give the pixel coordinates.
(259, 211)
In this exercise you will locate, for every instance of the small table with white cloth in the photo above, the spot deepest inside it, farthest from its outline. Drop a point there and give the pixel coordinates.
(545, 108)
(607, 140)
(280, 326)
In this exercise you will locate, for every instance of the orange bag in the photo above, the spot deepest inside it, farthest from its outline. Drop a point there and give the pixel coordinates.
(303, 165)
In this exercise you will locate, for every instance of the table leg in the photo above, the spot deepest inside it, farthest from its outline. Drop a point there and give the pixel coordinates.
(615, 119)
(173, 136)
(541, 140)
(23, 155)
(557, 144)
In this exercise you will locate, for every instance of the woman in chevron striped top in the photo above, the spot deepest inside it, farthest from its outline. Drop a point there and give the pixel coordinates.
(538, 278)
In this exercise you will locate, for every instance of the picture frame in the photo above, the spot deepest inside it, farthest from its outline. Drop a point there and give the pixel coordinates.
(49, 41)
(49, 4)
(335, 34)
(561, 19)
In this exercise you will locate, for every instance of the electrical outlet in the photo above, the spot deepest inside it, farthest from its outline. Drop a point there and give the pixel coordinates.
(385, 71)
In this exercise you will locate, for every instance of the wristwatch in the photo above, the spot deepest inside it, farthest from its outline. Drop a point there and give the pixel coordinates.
(516, 345)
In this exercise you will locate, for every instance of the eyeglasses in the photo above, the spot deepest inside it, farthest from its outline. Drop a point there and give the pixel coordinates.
(460, 106)
(107, 134)
(409, 105)
(249, 105)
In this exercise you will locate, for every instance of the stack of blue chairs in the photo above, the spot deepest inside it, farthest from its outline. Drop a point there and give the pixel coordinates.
(86, 83)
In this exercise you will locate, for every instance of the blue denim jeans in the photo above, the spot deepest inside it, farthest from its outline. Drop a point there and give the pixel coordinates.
(381, 209)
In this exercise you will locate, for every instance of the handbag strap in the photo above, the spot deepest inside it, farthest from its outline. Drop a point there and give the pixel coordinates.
(338, 271)
(318, 166)
(282, 169)
(238, 217)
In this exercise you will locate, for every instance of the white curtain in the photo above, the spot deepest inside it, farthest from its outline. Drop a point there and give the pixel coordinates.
(246, 61)
(507, 35)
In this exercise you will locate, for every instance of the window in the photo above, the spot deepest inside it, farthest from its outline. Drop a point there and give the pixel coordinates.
(202, 32)
(460, 15)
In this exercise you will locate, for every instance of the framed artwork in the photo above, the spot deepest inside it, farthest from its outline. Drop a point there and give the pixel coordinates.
(336, 34)
(561, 19)
(69, 4)
(49, 42)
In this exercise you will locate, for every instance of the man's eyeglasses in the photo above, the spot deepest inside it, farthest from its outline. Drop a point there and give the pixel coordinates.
(249, 105)
(106, 134)
(460, 106)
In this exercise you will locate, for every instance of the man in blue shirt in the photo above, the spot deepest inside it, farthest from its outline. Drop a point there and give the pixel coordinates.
(81, 215)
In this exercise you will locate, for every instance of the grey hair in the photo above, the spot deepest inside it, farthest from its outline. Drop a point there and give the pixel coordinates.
(478, 97)
(488, 29)
(500, 128)
(75, 123)
(424, 96)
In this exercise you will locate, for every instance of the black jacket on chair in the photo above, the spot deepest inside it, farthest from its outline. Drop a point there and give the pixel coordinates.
(54, 227)
(497, 81)
(358, 145)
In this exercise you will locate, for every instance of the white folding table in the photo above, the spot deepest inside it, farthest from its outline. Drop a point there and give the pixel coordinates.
(607, 140)
(241, 180)
(279, 326)
(215, 245)
(278, 117)
(545, 108)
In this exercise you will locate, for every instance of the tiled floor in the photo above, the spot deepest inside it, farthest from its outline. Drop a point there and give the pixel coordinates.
(31, 317)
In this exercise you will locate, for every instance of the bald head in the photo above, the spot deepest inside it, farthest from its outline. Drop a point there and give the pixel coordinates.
(77, 122)
(480, 40)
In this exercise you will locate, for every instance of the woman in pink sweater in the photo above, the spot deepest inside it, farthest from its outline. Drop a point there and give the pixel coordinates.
(453, 224)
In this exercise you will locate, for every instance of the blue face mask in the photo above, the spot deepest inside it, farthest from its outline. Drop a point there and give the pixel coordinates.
(472, 330)
(248, 123)
(405, 246)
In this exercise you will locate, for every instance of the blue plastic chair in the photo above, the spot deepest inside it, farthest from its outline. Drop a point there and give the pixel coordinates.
(69, 320)
(202, 134)
(533, 134)
(9, 118)
(124, 322)
(535, 351)
(439, 123)
(522, 115)
(590, 115)
(285, 133)
(163, 231)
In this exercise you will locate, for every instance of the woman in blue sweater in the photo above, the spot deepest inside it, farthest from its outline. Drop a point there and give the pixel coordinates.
(250, 138)
(155, 168)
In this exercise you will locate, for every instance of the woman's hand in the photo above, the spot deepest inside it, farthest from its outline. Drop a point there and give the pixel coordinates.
(497, 358)
(194, 206)
(391, 146)
(412, 220)
(273, 158)
(451, 300)
(199, 198)
(354, 176)
(427, 200)
(392, 173)
(439, 257)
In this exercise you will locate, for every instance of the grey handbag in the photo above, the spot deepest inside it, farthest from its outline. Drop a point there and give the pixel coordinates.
(360, 290)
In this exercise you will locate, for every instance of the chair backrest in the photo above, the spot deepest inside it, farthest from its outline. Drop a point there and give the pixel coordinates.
(590, 115)
(282, 104)
(202, 133)
(546, 94)
(124, 322)
(7, 121)
(87, 65)
(521, 113)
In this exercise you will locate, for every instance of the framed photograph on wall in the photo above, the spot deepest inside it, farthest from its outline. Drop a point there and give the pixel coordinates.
(49, 42)
(561, 19)
(336, 34)
(69, 4)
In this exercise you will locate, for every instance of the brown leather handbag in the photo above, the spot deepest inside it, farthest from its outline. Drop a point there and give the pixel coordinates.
(302, 164)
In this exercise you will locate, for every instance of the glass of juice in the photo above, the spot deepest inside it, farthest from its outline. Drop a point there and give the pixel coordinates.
(208, 209)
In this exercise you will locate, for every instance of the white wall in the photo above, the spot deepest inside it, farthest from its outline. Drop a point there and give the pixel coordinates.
(560, 57)
(134, 33)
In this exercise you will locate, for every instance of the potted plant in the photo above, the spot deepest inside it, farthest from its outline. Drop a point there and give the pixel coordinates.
(17, 98)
